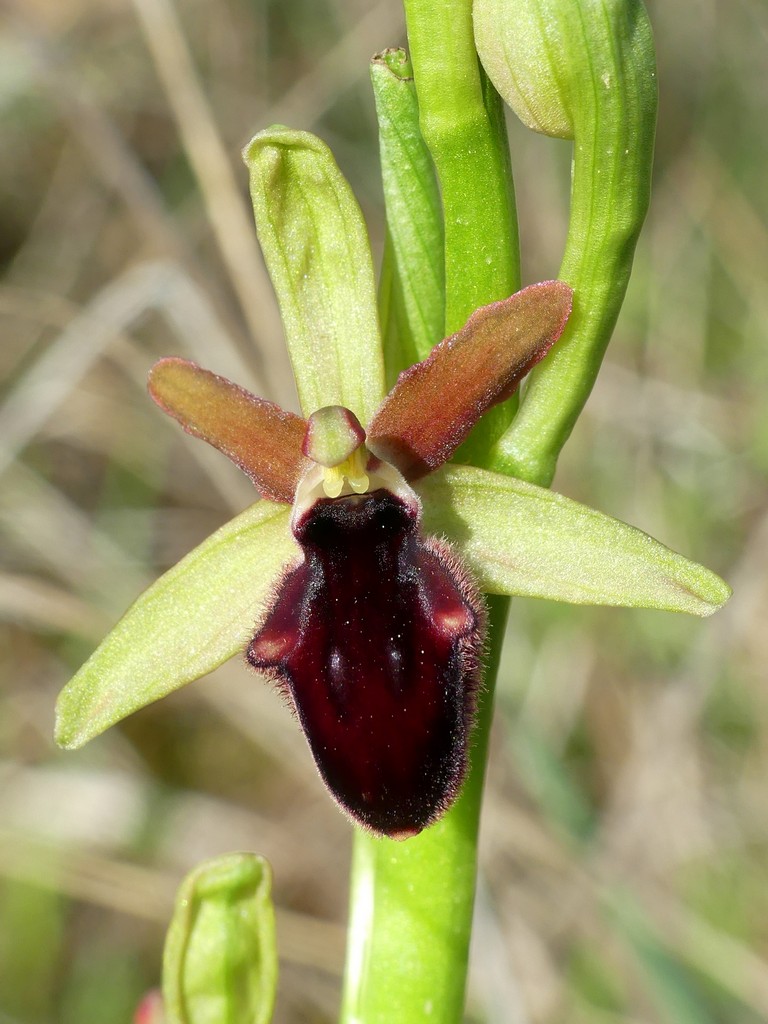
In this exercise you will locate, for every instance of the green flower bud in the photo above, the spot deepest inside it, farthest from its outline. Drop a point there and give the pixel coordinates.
(220, 960)
(527, 50)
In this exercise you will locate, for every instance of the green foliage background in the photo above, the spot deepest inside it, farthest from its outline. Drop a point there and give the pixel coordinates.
(624, 875)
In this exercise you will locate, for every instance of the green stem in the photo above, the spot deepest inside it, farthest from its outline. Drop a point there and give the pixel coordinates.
(411, 902)
(462, 122)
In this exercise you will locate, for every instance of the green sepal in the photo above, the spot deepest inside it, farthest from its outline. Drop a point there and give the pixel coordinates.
(220, 958)
(413, 280)
(317, 252)
(520, 539)
(195, 617)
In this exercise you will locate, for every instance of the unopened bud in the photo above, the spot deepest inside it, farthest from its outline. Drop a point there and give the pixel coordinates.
(525, 50)
(220, 960)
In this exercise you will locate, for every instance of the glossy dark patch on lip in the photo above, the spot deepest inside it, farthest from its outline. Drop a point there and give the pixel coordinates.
(375, 636)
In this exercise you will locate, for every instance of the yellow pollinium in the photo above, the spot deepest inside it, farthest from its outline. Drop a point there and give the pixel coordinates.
(352, 469)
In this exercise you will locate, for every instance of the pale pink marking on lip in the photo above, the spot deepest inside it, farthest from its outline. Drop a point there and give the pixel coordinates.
(407, 833)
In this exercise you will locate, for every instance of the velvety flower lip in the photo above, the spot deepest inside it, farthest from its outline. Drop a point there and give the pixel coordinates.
(374, 638)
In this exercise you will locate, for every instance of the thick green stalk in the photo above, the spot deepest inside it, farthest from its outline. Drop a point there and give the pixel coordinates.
(462, 122)
(412, 902)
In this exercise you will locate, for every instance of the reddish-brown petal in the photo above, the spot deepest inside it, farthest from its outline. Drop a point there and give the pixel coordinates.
(258, 436)
(434, 404)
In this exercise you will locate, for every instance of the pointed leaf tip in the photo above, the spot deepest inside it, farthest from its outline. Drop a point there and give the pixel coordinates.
(258, 436)
(434, 404)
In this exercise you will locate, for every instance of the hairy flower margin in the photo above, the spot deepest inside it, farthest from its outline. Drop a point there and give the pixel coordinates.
(312, 545)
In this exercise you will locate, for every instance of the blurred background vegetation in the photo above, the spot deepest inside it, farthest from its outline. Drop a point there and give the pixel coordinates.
(625, 839)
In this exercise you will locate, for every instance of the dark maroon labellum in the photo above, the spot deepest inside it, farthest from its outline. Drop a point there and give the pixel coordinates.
(375, 637)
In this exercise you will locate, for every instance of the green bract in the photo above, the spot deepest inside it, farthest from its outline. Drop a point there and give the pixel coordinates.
(518, 538)
(583, 70)
(220, 959)
(412, 280)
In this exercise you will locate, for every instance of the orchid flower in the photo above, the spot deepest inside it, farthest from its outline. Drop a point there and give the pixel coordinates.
(374, 633)
(356, 581)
